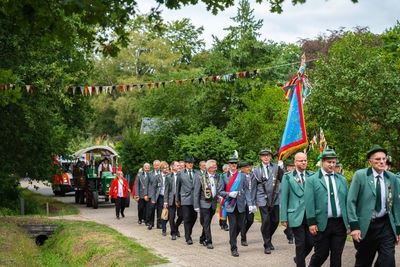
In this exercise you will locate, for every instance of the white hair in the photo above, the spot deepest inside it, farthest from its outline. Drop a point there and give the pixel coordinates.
(146, 164)
(225, 167)
(209, 162)
(156, 161)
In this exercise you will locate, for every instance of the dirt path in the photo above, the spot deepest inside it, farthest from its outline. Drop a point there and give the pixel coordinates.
(181, 254)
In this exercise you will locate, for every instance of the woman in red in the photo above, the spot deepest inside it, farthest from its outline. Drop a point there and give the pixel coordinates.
(118, 191)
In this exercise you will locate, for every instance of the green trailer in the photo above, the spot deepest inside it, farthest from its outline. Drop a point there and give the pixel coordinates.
(96, 189)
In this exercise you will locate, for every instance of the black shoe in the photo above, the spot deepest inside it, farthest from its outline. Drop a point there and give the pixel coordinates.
(178, 234)
(164, 233)
(117, 217)
(146, 224)
(290, 241)
(267, 250)
(271, 247)
(123, 215)
(294, 259)
(203, 242)
(210, 246)
(149, 227)
(244, 243)
(235, 253)
(173, 237)
(159, 226)
(189, 242)
(139, 222)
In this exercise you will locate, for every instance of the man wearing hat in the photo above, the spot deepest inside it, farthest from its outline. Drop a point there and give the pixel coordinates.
(373, 210)
(206, 200)
(235, 192)
(293, 208)
(184, 197)
(268, 176)
(244, 167)
(104, 167)
(325, 198)
(338, 167)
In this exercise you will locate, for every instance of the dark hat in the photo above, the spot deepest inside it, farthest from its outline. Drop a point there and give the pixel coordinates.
(374, 149)
(188, 158)
(289, 162)
(338, 163)
(232, 160)
(243, 163)
(265, 151)
(328, 154)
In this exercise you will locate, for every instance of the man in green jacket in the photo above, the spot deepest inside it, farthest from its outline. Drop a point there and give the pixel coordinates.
(325, 198)
(374, 211)
(293, 208)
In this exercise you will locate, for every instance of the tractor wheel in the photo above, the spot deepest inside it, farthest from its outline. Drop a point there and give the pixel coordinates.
(95, 199)
(76, 196)
(88, 199)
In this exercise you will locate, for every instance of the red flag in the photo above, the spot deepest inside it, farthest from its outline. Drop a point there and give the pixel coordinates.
(157, 84)
(215, 78)
(241, 74)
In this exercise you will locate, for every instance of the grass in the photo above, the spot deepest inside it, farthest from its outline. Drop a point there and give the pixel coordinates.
(35, 204)
(74, 243)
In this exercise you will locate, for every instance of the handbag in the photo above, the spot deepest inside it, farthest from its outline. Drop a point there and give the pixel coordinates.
(164, 214)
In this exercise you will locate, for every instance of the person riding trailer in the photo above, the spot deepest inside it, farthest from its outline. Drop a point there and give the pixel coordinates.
(104, 166)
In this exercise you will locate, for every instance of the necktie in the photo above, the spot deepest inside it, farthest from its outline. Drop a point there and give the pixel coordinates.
(378, 203)
(190, 176)
(332, 193)
(302, 177)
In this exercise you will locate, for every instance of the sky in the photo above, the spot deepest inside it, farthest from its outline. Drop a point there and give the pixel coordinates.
(303, 21)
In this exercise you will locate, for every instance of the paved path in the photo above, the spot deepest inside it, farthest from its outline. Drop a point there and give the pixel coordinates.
(181, 254)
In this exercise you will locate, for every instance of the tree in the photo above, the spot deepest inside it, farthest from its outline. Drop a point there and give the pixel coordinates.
(355, 97)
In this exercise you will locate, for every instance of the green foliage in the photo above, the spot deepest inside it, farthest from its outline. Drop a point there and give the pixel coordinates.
(355, 98)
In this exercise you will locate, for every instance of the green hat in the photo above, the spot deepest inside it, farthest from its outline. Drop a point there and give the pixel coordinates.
(328, 154)
(374, 149)
(188, 158)
(243, 163)
(265, 151)
(289, 162)
(232, 160)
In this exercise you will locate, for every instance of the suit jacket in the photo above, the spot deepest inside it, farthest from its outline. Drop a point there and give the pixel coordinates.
(159, 184)
(262, 199)
(316, 199)
(115, 186)
(141, 184)
(292, 198)
(170, 189)
(152, 184)
(199, 200)
(241, 198)
(185, 187)
(362, 197)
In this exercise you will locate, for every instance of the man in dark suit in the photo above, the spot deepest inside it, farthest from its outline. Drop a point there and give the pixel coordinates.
(268, 176)
(151, 188)
(206, 199)
(159, 193)
(141, 195)
(235, 192)
(374, 211)
(230, 170)
(184, 197)
(325, 197)
(293, 207)
(170, 201)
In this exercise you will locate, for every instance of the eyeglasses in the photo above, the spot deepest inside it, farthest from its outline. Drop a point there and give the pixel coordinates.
(379, 159)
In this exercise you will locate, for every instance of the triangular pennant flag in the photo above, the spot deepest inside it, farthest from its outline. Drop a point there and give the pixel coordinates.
(237, 75)
(128, 88)
(157, 84)
(90, 90)
(200, 79)
(121, 88)
(180, 81)
(149, 85)
(73, 90)
(141, 86)
(248, 73)
(86, 91)
(215, 78)
(241, 74)
(163, 84)
(27, 88)
(192, 80)
(97, 90)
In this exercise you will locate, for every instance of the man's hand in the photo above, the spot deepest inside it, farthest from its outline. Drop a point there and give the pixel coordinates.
(252, 209)
(398, 239)
(153, 202)
(197, 210)
(136, 198)
(177, 203)
(146, 198)
(313, 229)
(284, 224)
(233, 194)
(356, 235)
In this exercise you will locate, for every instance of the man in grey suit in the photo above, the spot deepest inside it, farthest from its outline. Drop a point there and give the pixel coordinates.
(206, 199)
(141, 195)
(184, 197)
(151, 204)
(235, 192)
(268, 176)
(170, 199)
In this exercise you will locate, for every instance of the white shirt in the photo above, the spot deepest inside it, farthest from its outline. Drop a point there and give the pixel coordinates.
(338, 211)
(213, 186)
(162, 184)
(299, 174)
(265, 167)
(120, 188)
(383, 194)
(105, 166)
